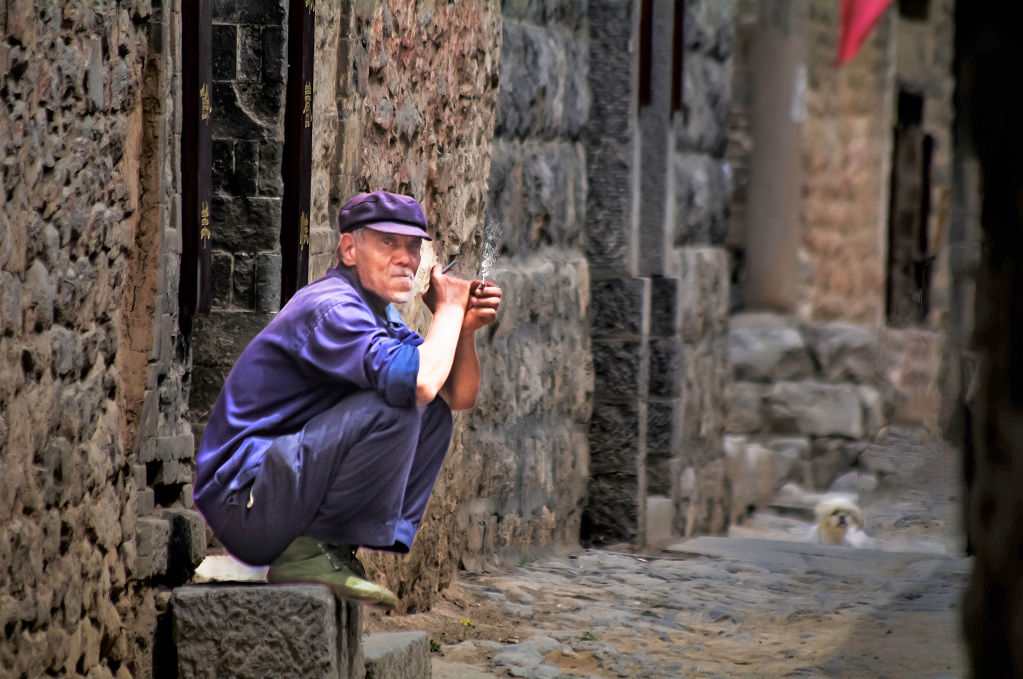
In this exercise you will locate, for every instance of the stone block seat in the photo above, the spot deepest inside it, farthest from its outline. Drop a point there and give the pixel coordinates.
(231, 624)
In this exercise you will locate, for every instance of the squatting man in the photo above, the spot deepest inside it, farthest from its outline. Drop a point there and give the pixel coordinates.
(332, 426)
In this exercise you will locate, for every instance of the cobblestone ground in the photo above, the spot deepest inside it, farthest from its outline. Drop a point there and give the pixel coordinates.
(731, 607)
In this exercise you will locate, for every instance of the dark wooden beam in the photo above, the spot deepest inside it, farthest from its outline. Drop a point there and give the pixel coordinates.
(678, 50)
(298, 143)
(195, 291)
(646, 51)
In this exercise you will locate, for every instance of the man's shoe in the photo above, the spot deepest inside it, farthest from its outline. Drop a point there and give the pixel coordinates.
(307, 561)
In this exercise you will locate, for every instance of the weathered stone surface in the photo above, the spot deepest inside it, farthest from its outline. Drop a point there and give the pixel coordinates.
(614, 434)
(612, 509)
(616, 369)
(844, 351)
(610, 153)
(757, 468)
(537, 192)
(703, 291)
(703, 193)
(708, 96)
(745, 408)
(764, 348)
(832, 457)
(666, 367)
(256, 631)
(814, 408)
(545, 70)
(245, 224)
(245, 12)
(397, 655)
(618, 306)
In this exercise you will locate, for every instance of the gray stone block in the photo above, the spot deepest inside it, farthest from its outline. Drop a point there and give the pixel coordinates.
(661, 430)
(245, 224)
(764, 349)
(844, 351)
(707, 97)
(666, 359)
(152, 538)
(616, 369)
(220, 338)
(268, 282)
(246, 168)
(275, 47)
(257, 631)
(222, 264)
(703, 195)
(397, 655)
(617, 307)
(262, 12)
(187, 546)
(248, 110)
(814, 408)
(225, 52)
(612, 509)
(703, 274)
(270, 182)
(745, 401)
(614, 439)
(664, 295)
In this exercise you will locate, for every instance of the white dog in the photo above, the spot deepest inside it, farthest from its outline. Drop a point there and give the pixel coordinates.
(840, 522)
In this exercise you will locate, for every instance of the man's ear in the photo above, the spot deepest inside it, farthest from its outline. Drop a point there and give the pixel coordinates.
(346, 249)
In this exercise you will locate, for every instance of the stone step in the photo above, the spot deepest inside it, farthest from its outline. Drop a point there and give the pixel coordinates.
(659, 515)
(397, 655)
(256, 630)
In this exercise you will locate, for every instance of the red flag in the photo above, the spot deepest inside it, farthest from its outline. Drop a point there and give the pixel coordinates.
(858, 19)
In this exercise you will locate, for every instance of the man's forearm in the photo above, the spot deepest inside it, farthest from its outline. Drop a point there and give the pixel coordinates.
(462, 388)
(437, 353)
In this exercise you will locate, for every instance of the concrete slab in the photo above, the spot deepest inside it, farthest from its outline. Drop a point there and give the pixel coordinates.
(397, 655)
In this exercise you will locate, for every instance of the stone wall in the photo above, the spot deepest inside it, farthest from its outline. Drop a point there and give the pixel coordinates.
(526, 442)
(807, 400)
(415, 93)
(659, 285)
(92, 363)
(846, 160)
(249, 75)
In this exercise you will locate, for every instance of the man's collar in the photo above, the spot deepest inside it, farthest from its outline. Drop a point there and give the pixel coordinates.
(389, 314)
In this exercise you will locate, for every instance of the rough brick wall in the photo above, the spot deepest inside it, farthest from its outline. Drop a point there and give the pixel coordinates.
(91, 362)
(526, 442)
(846, 149)
(415, 93)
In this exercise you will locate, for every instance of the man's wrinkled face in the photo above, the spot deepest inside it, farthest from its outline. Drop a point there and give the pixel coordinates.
(386, 263)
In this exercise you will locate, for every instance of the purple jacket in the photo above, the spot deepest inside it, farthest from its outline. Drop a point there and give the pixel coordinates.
(325, 344)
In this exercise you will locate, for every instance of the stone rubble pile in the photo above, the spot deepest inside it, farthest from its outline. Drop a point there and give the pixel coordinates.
(807, 401)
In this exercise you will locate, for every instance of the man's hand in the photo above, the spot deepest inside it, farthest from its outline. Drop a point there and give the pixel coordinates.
(484, 301)
(446, 289)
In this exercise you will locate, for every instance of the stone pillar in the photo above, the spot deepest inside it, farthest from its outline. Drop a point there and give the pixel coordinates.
(775, 199)
(618, 427)
(619, 302)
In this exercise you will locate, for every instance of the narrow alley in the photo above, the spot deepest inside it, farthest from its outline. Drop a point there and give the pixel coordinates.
(767, 604)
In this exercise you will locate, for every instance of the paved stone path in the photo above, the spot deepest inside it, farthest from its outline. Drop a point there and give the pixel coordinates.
(731, 607)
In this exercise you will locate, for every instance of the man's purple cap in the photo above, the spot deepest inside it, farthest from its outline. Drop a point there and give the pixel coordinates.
(383, 211)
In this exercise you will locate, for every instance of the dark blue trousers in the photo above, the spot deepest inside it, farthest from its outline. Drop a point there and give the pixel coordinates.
(359, 473)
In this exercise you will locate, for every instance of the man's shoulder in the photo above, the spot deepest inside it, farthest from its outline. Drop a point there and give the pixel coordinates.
(325, 293)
